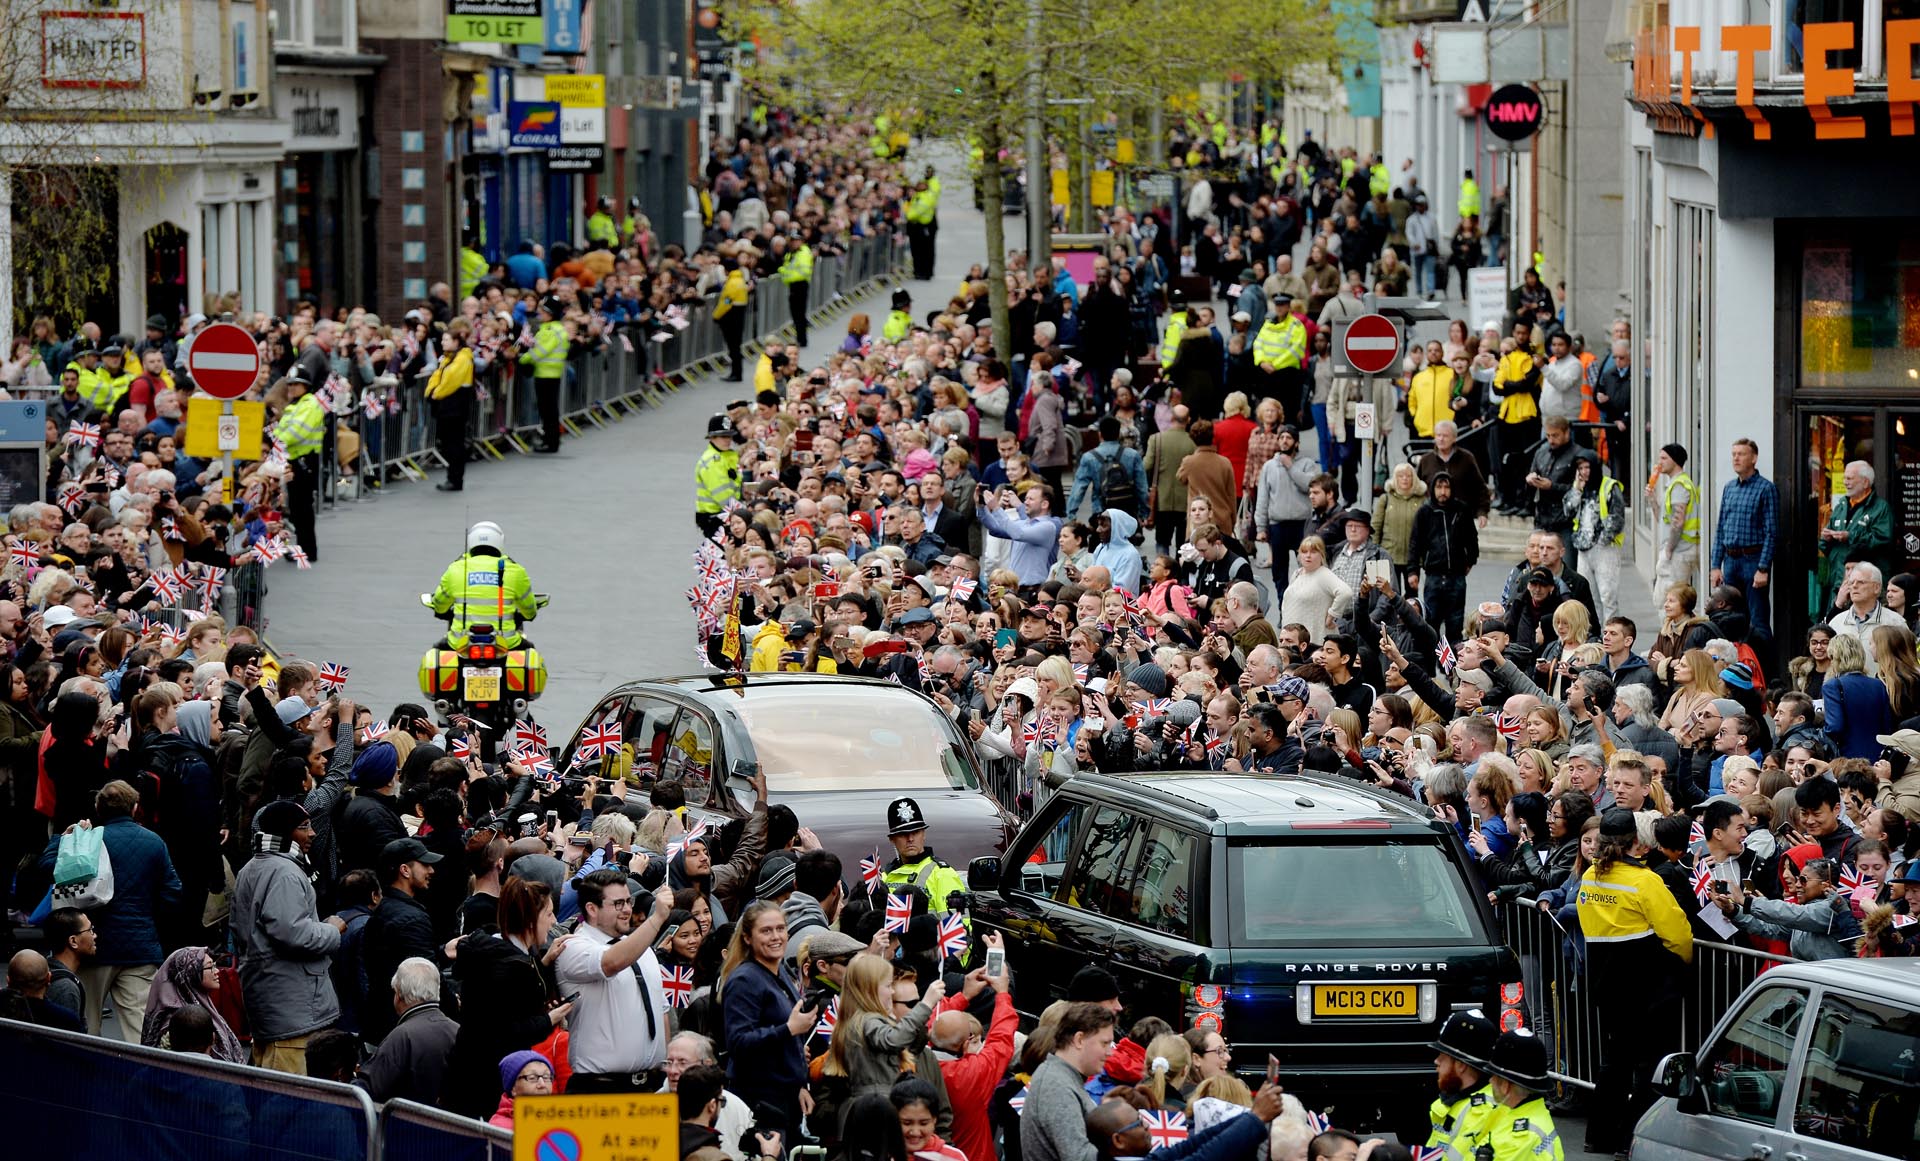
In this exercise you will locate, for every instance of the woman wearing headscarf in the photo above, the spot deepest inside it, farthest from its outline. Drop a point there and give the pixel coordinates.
(189, 977)
(189, 791)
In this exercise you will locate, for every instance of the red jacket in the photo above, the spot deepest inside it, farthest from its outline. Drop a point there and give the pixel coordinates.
(971, 1079)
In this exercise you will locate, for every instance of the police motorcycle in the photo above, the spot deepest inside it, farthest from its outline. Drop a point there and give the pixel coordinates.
(484, 669)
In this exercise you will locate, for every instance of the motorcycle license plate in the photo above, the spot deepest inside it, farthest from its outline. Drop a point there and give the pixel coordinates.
(483, 685)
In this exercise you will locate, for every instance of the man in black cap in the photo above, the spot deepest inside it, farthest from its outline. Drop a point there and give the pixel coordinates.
(1521, 1128)
(914, 862)
(284, 945)
(1465, 1104)
(399, 929)
(716, 475)
(1095, 985)
(159, 338)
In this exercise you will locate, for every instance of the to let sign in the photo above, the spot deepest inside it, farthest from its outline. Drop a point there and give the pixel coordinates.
(93, 50)
(1515, 112)
(497, 21)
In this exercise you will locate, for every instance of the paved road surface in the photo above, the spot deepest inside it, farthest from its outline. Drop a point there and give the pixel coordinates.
(605, 528)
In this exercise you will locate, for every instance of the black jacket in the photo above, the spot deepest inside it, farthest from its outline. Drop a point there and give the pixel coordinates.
(367, 824)
(505, 983)
(1445, 540)
(1557, 465)
(398, 929)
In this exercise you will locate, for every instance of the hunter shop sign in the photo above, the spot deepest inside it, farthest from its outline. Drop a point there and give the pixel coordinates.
(93, 50)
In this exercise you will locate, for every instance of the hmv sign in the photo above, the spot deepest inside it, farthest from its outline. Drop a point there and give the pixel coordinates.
(1515, 112)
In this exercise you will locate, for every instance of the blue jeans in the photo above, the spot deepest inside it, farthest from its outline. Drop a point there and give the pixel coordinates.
(1330, 452)
(1738, 572)
(1423, 274)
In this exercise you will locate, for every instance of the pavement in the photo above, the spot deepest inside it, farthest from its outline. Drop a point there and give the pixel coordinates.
(606, 529)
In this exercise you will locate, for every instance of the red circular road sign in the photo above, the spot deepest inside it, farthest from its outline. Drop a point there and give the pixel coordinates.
(1371, 344)
(224, 361)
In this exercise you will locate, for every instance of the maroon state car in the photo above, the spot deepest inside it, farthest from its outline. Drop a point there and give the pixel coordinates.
(835, 749)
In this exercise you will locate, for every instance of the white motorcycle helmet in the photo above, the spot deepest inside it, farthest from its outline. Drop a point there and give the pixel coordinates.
(486, 534)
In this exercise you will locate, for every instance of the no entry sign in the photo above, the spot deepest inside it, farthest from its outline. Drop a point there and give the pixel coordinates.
(224, 361)
(1371, 343)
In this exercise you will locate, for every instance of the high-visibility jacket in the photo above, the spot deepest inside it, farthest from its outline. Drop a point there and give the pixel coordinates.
(929, 874)
(1267, 135)
(1628, 903)
(473, 267)
(798, 266)
(1524, 1132)
(1460, 1126)
(1469, 197)
(1347, 166)
(923, 205)
(1430, 397)
(1690, 527)
(601, 231)
(716, 480)
(1379, 180)
(1281, 343)
(1517, 404)
(898, 326)
(1611, 492)
(103, 389)
(1170, 338)
(302, 427)
(549, 352)
(489, 589)
(733, 294)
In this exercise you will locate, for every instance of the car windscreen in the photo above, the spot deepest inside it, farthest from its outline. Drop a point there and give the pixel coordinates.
(813, 736)
(1384, 890)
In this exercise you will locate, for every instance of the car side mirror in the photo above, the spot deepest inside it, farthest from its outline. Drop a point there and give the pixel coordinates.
(983, 873)
(1674, 1076)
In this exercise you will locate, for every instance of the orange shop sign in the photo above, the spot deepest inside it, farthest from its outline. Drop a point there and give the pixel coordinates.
(1824, 82)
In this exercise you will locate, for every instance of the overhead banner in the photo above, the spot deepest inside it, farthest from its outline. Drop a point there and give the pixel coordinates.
(496, 21)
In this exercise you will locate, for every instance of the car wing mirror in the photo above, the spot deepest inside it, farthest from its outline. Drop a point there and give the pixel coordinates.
(1674, 1076)
(983, 873)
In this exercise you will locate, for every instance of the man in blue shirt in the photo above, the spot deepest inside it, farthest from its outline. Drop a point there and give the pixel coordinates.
(1032, 527)
(1745, 534)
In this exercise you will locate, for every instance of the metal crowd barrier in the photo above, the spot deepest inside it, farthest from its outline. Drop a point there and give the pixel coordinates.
(416, 1132)
(1557, 995)
(1001, 777)
(68, 1095)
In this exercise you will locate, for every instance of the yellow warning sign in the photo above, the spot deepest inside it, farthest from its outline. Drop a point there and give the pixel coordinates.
(601, 1127)
(203, 428)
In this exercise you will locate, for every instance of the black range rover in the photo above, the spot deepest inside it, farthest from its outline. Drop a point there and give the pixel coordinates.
(1307, 917)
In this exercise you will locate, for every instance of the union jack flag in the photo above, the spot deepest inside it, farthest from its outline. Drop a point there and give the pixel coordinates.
(333, 675)
(526, 733)
(166, 587)
(1320, 1122)
(212, 581)
(1511, 726)
(1213, 743)
(1081, 672)
(1696, 833)
(267, 551)
(963, 589)
(1018, 1102)
(83, 433)
(24, 555)
(697, 834)
(1823, 1122)
(1849, 878)
(828, 1018)
(1152, 707)
(899, 913)
(374, 732)
(461, 748)
(870, 869)
(1427, 1153)
(170, 529)
(1030, 733)
(1702, 880)
(536, 762)
(1900, 921)
(73, 498)
(1165, 1127)
(1443, 654)
(599, 741)
(952, 939)
(677, 983)
(299, 557)
(374, 405)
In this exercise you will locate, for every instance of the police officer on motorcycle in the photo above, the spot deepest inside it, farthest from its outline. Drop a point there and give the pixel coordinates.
(485, 586)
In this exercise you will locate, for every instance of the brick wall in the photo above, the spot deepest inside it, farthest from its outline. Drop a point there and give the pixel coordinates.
(408, 222)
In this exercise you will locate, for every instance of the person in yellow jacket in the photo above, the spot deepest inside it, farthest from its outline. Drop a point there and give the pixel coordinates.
(548, 357)
(1430, 394)
(716, 475)
(796, 270)
(602, 234)
(485, 586)
(914, 862)
(1176, 328)
(1639, 946)
(1279, 351)
(899, 322)
(302, 429)
(1465, 1102)
(473, 268)
(1521, 1126)
(450, 392)
(782, 648)
(1469, 196)
(114, 377)
(1516, 388)
(86, 363)
(1379, 178)
(730, 311)
(1677, 500)
(922, 214)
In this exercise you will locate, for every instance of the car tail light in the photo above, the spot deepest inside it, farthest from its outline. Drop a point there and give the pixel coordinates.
(1207, 1007)
(1513, 1012)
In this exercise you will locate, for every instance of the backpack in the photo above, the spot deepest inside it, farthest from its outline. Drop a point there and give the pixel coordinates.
(1116, 485)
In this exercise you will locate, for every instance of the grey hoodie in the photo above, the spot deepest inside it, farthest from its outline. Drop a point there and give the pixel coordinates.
(804, 913)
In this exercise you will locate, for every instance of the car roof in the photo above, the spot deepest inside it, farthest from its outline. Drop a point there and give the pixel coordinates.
(1896, 979)
(1251, 803)
(711, 685)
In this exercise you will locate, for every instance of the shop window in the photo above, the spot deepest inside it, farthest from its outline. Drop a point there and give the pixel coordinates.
(1833, 440)
(1790, 17)
(313, 23)
(1860, 309)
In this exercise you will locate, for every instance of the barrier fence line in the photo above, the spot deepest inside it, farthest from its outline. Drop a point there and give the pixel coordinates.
(416, 1132)
(69, 1095)
(1558, 993)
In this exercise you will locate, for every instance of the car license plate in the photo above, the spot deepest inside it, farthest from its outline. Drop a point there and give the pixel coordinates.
(1366, 1000)
(483, 685)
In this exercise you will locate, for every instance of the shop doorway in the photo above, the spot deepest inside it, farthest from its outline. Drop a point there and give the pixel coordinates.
(166, 246)
(1827, 439)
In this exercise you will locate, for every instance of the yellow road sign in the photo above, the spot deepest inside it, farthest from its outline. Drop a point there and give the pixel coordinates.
(203, 428)
(602, 1127)
(578, 90)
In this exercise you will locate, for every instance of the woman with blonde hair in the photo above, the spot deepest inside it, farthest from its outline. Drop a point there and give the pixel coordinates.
(1546, 731)
(1538, 772)
(1696, 681)
(1571, 627)
(1168, 1059)
(1899, 671)
(870, 1044)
